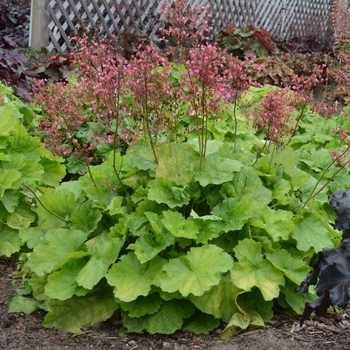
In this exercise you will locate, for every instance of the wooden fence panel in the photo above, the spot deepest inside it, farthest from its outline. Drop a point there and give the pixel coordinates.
(283, 18)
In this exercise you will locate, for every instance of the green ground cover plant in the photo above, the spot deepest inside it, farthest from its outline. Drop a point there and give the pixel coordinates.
(26, 167)
(200, 197)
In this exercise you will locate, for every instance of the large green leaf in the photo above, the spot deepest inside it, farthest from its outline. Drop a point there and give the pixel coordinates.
(277, 223)
(166, 191)
(196, 272)
(142, 306)
(10, 200)
(218, 301)
(247, 183)
(53, 172)
(176, 163)
(217, 170)
(166, 320)
(20, 218)
(289, 159)
(296, 301)
(58, 246)
(140, 156)
(149, 244)
(294, 269)
(241, 321)
(208, 227)
(201, 323)
(104, 253)
(10, 241)
(178, 226)
(60, 284)
(32, 236)
(310, 232)
(86, 217)
(132, 279)
(70, 315)
(9, 179)
(23, 304)
(59, 203)
(9, 119)
(235, 212)
(23, 144)
(253, 270)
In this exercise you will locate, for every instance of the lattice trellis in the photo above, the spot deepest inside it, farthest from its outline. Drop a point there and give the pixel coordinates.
(283, 18)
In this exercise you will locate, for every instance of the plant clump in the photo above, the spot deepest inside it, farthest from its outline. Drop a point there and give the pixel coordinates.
(200, 196)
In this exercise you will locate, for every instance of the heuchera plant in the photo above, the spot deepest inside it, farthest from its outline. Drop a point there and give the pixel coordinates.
(207, 215)
(25, 168)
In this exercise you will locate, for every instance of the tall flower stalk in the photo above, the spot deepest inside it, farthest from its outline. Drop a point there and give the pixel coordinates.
(208, 90)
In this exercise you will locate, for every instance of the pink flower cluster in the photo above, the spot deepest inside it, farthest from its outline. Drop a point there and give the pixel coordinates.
(274, 114)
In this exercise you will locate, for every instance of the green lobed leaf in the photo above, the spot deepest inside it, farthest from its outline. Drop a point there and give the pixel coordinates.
(10, 199)
(166, 191)
(241, 321)
(20, 218)
(70, 315)
(38, 284)
(23, 304)
(217, 170)
(293, 269)
(149, 244)
(116, 206)
(235, 212)
(53, 172)
(61, 202)
(104, 253)
(9, 179)
(281, 190)
(132, 279)
(10, 241)
(277, 223)
(289, 159)
(253, 270)
(254, 300)
(247, 183)
(310, 232)
(60, 284)
(201, 323)
(32, 236)
(9, 119)
(86, 217)
(178, 226)
(218, 301)
(296, 301)
(196, 272)
(176, 163)
(58, 246)
(208, 227)
(143, 305)
(167, 320)
(141, 157)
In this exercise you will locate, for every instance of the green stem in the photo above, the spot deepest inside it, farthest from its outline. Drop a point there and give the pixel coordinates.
(300, 116)
(41, 203)
(90, 174)
(313, 194)
(235, 120)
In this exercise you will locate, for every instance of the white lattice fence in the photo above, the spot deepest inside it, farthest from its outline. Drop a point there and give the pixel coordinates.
(283, 18)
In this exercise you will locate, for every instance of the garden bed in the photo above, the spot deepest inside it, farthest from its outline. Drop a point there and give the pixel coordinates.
(21, 331)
